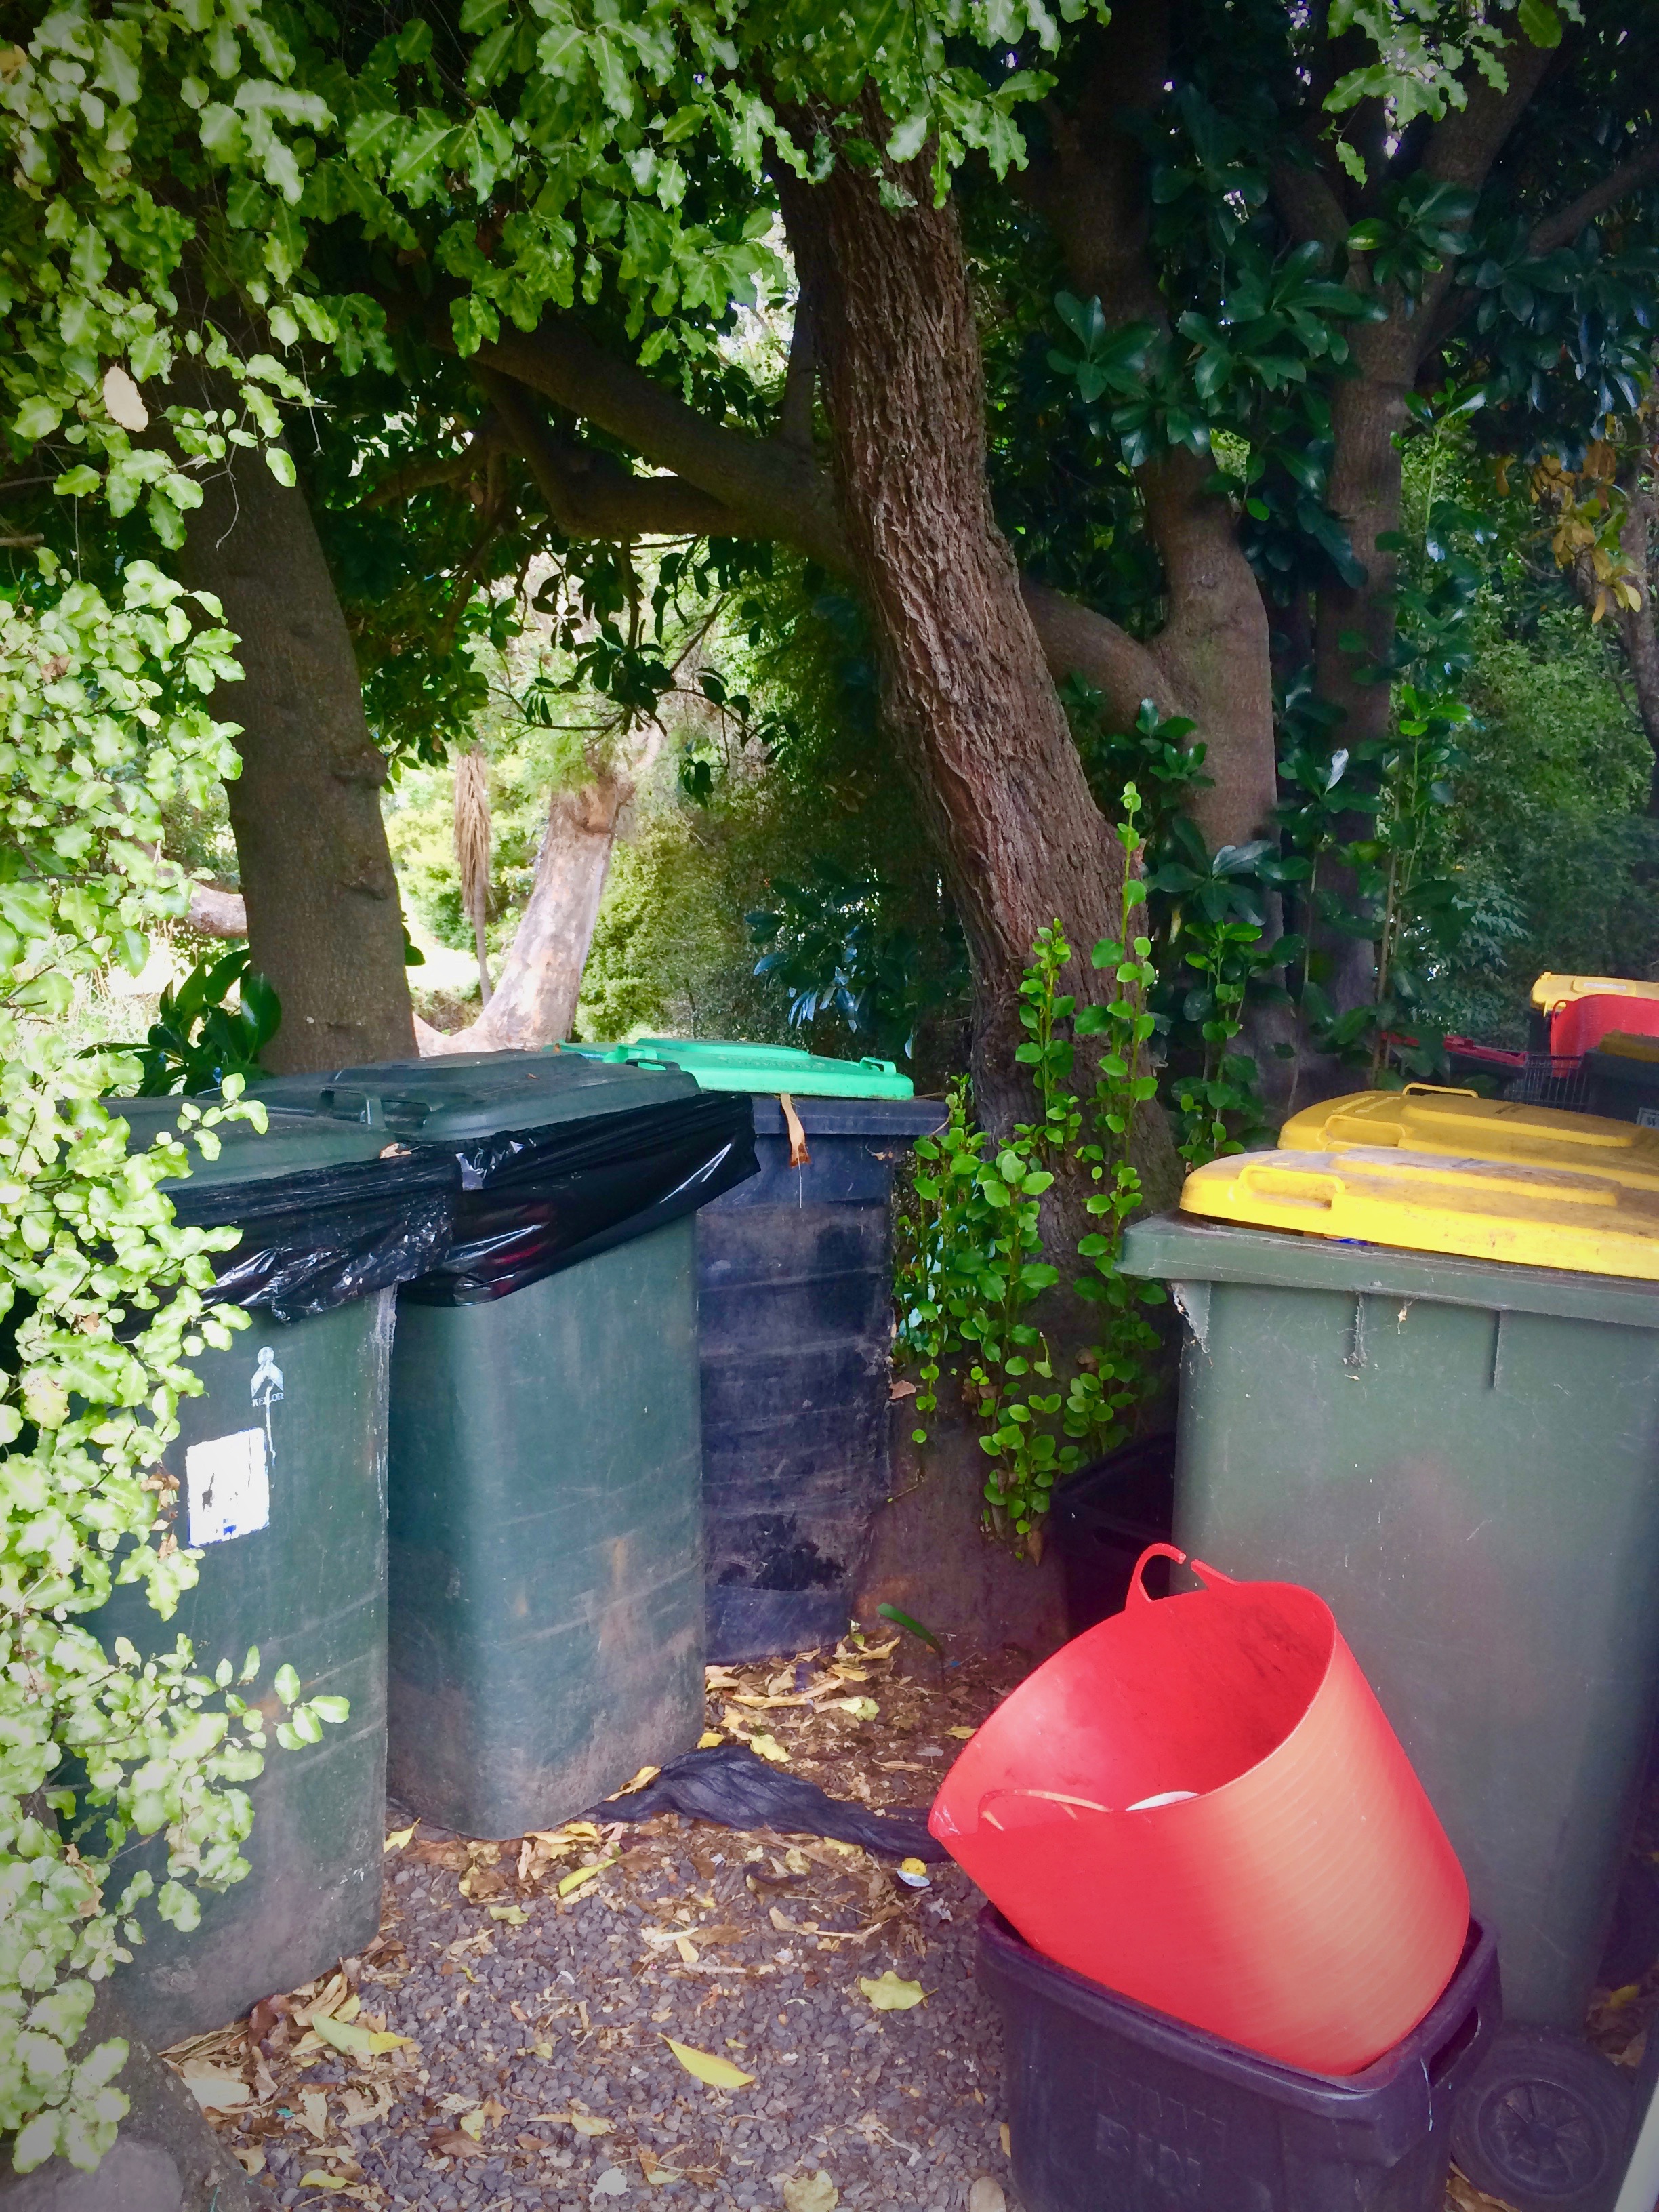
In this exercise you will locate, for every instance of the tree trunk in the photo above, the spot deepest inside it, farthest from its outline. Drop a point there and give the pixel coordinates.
(324, 922)
(534, 1001)
(963, 681)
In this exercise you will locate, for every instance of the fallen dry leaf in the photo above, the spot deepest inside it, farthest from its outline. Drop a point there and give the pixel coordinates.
(770, 1748)
(474, 2123)
(572, 1882)
(356, 2041)
(400, 1836)
(704, 2066)
(450, 2142)
(811, 2192)
(590, 2124)
(1007, 2140)
(313, 2114)
(645, 1774)
(450, 1855)
(215, 2090)
(514, 1915)
(890, 1994)
(708, 1739)
(250, 2160)
(961, 1734)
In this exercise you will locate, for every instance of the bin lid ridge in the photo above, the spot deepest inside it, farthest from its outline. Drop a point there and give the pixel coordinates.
(1536, 1214)
(1459, 1124)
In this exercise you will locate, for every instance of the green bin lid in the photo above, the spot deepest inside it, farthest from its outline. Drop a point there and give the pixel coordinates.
(462, 1094)
(734, 1066)
(293, 1143)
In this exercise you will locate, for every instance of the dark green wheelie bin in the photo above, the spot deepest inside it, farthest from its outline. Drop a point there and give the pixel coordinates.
(1427, 1386)
(279, 1466)
(546, 1520)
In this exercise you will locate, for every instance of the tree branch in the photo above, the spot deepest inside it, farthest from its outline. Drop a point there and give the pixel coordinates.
(1631, 176)
(764, 488)
(1462, 147)
(450, 468)
(1309, 205)
(591, 494)
(767, 490)
(1559, 229)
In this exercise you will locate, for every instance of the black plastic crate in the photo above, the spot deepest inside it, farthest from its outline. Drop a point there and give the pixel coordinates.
(1115, 2108)
(1623, 1087)
(1103, 1518)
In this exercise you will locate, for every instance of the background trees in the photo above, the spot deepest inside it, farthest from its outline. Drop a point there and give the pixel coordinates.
(1121, 423)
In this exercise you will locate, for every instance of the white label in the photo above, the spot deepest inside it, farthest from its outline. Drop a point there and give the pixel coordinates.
(1647, 1118)
(229, 1487)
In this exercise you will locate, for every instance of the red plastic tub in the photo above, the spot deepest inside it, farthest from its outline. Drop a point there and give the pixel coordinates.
(1200, 1804)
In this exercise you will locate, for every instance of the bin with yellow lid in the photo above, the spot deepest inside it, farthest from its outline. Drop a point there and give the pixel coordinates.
(1459, 1125)
(1425, 1384)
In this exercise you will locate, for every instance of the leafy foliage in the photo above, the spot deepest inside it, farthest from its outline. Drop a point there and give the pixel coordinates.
(972, 1269)
(196, 1040)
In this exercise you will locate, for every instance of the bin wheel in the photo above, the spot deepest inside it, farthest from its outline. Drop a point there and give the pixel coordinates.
(1543, 2122)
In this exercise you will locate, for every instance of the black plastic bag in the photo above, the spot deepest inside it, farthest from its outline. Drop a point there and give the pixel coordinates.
(729, 1785)
(535, 1201)
(317, 1240)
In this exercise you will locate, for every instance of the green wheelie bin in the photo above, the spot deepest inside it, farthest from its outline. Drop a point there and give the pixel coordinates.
(279, 1480)
(1426, 1385)
(546, 1516)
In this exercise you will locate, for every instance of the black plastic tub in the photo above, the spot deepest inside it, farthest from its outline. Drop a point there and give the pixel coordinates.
(1114, 2108)
(795, 1305)
(1103, 1519)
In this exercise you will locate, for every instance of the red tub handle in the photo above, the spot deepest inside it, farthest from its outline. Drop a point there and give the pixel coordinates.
(1137, 1591)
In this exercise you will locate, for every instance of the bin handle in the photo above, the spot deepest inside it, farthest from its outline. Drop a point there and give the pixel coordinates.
(1276, 1174)
(1441, 1090)
(1138, 1594)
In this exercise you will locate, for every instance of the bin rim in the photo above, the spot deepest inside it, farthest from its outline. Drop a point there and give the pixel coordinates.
(1333, 2096)
(730, 1064)
(1184, 1249)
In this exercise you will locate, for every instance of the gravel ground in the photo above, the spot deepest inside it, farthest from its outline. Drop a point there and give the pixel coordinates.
(537, 2000)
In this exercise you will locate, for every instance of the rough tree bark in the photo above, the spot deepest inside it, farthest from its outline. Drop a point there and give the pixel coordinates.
(323, 917)
(965, 686)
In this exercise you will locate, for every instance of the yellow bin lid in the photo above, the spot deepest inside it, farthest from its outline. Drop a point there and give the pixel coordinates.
(1550, 992)
(1459, 1125)
(1623, 1046)
(1532, 1217)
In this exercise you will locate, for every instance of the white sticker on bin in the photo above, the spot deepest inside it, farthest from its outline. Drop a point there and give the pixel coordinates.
(1163, 1797)
(229, 1487)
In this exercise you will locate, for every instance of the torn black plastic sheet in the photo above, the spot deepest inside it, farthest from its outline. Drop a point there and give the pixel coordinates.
(731, 1786)
(314, 1241)
(535, 1201)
